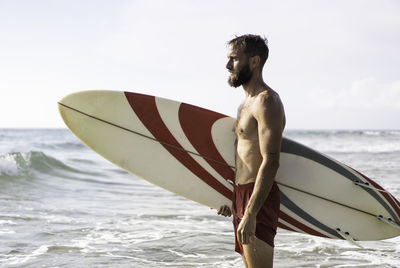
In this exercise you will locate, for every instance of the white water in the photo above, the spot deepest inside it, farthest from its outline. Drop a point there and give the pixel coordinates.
(62, 205)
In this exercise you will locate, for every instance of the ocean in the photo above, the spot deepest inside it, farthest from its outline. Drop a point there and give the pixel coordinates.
(62, 205)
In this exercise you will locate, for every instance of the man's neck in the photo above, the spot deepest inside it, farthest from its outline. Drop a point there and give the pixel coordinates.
(254, 86)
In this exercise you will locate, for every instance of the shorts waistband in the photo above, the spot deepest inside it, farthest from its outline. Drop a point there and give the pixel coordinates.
(249, 185)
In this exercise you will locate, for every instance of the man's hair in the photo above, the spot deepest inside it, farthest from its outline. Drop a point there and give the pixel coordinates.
(252, 45)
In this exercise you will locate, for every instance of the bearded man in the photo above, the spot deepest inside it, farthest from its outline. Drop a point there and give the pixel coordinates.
(259, 126)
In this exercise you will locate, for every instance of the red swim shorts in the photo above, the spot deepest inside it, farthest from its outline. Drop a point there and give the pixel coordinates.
(267, 217)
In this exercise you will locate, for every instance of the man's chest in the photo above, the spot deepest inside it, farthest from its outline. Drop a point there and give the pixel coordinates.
(246, 124)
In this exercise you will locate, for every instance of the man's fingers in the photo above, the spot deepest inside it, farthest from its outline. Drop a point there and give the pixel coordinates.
(245, 238)
(242, 237)
(239, 237)
(219, 211)
(251, 238)
(225, 211)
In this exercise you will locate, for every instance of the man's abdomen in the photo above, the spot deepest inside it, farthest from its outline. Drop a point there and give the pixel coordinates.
(248, 161)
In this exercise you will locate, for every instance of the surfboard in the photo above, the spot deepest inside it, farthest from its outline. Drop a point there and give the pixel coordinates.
(189, 151)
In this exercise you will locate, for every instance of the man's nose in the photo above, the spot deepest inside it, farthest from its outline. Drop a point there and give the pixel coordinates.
(229, 65)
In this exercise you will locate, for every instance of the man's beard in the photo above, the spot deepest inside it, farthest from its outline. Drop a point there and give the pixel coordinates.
(239, 78)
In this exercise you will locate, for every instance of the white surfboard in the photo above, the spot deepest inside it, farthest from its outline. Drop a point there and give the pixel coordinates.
(190, 151)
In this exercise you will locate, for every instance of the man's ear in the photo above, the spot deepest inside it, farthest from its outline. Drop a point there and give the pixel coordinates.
(255, 62)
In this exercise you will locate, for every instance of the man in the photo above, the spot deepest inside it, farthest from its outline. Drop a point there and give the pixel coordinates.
(259, 127)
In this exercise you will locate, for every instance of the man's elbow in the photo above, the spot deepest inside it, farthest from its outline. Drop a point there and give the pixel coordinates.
(272, 165)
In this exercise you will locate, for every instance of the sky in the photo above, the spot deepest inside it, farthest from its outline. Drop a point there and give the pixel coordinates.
(335, 64)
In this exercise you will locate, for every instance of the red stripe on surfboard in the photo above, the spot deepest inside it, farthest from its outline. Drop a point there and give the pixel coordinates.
(397, 201)
(196, 124)
(388, 197)
(300, 225)
(283, 226)
(146, 109)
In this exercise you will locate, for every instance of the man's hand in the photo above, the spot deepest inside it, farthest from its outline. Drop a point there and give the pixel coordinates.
(225, 211)
(246, 230)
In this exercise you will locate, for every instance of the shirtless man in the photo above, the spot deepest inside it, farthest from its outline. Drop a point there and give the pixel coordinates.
(259, 127)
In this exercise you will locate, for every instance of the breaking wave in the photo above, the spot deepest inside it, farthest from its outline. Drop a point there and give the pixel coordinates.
(26, 164)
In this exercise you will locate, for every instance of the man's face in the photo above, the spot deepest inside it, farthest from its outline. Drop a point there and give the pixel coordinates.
(238, 66)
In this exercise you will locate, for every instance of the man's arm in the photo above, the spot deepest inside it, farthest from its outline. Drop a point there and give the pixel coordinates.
(270, 117)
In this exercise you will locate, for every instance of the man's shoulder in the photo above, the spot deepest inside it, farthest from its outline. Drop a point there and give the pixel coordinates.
(269, 109)
(268, 99)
